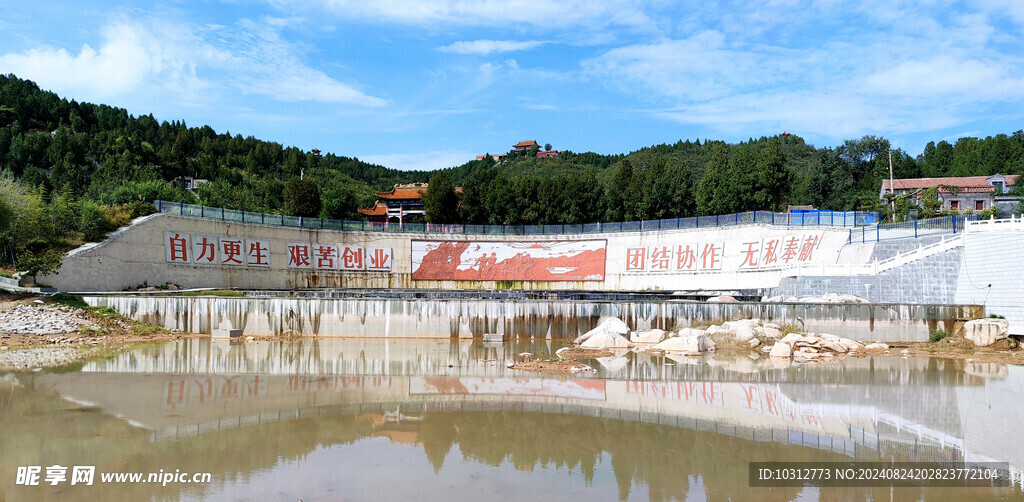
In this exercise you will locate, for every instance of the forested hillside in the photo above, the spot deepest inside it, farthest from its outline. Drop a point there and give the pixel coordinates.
(69, 172)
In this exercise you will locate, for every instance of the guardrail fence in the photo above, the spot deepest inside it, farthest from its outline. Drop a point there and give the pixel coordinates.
(808, 218)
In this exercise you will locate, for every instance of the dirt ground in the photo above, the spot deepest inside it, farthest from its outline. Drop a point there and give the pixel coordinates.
(1003, 351)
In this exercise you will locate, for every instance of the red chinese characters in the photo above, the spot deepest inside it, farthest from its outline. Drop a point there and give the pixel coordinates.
(686, 258)
(204, 250)
(770, 252)
(807, 249)
(299, 255)
(751, 254)
(636, 259)
(378, 259)
(325, 256)
(176, 247)
(351, 258)
(711, 256)
(231, 251)
(790, 249)
(257, 253)
(661, 258)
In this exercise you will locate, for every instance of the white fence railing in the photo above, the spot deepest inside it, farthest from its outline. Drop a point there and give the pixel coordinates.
(993, 225)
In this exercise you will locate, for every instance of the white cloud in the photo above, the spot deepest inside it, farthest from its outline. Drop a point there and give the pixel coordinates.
(489, 46)
(121, 64)
(192, 63)
(506, 13)
(912, 75)
(421, 161)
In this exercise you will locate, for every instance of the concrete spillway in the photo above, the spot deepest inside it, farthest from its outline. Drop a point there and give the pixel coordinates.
(545, 319)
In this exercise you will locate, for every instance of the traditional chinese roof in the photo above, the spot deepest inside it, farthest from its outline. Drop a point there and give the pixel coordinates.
(549, 153)
(412, 191)
(378, 209)
(964, 183)
(525, 144)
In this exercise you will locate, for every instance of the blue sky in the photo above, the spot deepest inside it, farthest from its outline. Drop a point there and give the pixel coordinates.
(431, 83)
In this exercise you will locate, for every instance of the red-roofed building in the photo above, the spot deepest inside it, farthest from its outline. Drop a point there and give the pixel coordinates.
(549, 154)
(399, 203)
(974, 193)
(525, 145)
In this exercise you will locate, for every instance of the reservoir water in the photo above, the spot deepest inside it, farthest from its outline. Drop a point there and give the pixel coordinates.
(361, 419)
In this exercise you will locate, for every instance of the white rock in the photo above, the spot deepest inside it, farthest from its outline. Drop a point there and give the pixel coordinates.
(744, 333)
(610, 325)
(771, 332)
(722, 299)
(851, 345)
(606, 340)
(687, 344)
(985, 332)
(691, 332)
(752, 323)
(877, 346)
(647, 336)
(754, 342)
(781, 349)
(719, 330)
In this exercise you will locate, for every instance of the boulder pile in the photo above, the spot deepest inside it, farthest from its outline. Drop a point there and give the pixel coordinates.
(43, 320)
(807, 347)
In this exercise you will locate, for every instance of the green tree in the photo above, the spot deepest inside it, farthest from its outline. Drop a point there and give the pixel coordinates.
(714, 182)
(772, 178)
(440, 201)
(302, 198)
(615, 198)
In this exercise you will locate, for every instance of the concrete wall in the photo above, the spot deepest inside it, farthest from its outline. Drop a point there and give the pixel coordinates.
(992, 275)
(138, 255)
(523, 319)
(932, 280)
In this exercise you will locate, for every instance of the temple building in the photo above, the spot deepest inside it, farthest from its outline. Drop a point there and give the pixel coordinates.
(399, 203)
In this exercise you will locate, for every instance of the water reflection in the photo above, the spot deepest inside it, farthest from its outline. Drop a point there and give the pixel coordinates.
(358, 420)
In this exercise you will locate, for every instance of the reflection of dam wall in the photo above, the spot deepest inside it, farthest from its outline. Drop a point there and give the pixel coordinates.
(881, 404)
(454, 318)
(175, 406)
(356, 357)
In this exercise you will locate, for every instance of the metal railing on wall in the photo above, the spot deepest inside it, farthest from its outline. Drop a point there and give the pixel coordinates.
(799, 219)
(911, 229)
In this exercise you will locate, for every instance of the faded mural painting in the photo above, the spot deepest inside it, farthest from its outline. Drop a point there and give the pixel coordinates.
(582, 260)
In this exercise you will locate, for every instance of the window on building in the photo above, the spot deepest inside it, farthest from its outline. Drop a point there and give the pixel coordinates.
(998, 185)
(954, 205)
(979, 205)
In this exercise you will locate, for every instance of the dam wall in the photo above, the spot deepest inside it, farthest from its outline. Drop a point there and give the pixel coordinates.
(516, 319)
(193, 252)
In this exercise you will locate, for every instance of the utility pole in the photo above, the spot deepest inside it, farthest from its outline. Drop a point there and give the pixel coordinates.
(892, 188)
